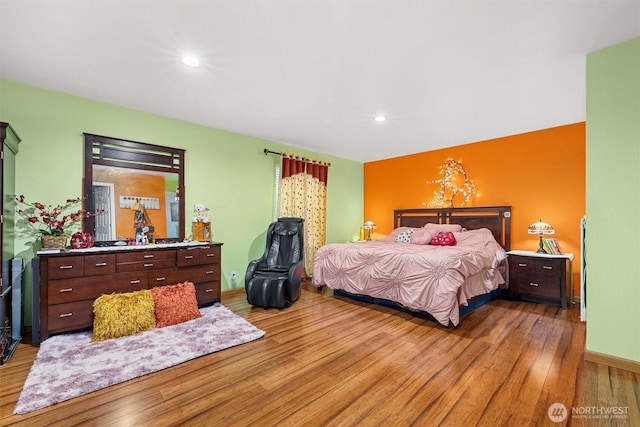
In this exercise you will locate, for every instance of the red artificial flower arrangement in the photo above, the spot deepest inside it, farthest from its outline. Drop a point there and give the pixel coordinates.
(49, 220)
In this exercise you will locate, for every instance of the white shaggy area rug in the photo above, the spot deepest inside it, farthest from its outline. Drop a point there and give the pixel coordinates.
(69, 366)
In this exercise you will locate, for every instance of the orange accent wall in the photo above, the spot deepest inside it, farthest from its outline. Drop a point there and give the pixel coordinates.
(541, 174)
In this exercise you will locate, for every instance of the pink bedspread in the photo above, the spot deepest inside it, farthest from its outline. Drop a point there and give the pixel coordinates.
(435, 279)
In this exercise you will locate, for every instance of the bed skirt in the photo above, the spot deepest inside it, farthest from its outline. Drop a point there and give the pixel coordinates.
(473, 303)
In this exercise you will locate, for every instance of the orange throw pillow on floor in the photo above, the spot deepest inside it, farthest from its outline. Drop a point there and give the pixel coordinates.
(175, 304)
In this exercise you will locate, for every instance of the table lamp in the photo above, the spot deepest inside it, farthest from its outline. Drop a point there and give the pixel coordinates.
(540, 228)
(369, 225)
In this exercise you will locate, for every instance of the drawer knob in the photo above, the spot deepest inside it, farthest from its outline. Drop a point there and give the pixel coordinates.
(209, 255)
(522, 264)
(148, 265)
(533, 284)
(209, 272)
(134, 282)
(547, 267)
(208, 290)
(66, 290)
(66, 267)
(160, 279)
(66, 315)
(148, 256)
(188, 257)
(101, 264)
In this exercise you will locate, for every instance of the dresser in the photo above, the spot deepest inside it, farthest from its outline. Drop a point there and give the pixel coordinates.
(71, 281)
(540, 277)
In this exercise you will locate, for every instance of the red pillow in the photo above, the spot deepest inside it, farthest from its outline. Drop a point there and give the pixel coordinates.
(175, 304)
(445, 238)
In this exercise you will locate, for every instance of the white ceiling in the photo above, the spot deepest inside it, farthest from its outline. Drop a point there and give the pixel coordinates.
(314, 73)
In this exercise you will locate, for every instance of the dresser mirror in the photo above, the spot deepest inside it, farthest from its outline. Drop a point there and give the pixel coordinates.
(135, 188)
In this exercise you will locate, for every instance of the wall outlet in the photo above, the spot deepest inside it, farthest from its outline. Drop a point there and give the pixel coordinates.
(234, 275)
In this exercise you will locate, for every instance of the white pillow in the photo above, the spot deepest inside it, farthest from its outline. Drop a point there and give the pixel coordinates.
(405, 236)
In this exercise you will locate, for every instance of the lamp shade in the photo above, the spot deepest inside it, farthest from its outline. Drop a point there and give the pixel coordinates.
(369, 225)
(541, 228)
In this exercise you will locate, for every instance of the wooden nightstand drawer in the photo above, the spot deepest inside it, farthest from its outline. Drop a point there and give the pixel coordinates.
(540, 286)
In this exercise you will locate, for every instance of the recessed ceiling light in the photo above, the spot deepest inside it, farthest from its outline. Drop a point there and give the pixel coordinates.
(380, 118)
(191, 61)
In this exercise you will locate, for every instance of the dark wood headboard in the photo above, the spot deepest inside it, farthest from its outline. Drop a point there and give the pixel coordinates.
(495, 218)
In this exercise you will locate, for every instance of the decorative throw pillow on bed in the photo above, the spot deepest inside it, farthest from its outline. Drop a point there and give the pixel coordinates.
(421, 236)
(440, 228)
(405, 236)
(121, 314)
(395, 233)
(445, 238)
(175, 304)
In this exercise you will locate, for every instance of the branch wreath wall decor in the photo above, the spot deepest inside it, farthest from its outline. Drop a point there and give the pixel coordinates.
(454, 180)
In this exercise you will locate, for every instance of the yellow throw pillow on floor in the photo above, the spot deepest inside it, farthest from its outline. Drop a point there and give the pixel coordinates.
(120, 314)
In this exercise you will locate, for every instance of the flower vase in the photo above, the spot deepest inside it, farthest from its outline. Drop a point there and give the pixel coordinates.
(54, 242)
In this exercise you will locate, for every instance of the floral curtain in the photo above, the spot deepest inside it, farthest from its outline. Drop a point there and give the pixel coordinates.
(303, 194)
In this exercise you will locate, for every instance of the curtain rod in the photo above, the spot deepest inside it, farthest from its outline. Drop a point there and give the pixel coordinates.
(281, 154)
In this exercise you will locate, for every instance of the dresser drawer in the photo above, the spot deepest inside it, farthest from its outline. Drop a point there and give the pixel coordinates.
(144, 256)
(81, 288)
(200, 274)
(68, 266)
(129, 282)
(207, 293)
(150, 264)
(78, 288)
(95, 265)
(210, 255)
(70, 316)
(164, 277)
(188, 256)
(199, 255)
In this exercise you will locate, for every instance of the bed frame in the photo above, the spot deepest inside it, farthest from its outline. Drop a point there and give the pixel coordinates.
(495, 218)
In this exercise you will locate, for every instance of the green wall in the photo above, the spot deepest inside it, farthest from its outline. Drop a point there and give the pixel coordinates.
(227, 172)
(613, 200)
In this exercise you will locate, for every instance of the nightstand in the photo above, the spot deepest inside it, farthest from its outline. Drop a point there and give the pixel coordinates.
(539, 277)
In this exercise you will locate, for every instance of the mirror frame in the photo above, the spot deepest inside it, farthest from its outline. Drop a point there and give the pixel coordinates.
(122, 153)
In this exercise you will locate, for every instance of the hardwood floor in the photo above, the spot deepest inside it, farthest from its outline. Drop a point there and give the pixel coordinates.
(329, 361)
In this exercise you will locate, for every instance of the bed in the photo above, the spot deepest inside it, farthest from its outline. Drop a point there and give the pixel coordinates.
(405, 270)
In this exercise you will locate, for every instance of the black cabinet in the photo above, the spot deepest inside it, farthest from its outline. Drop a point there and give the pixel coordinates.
(11, 299)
